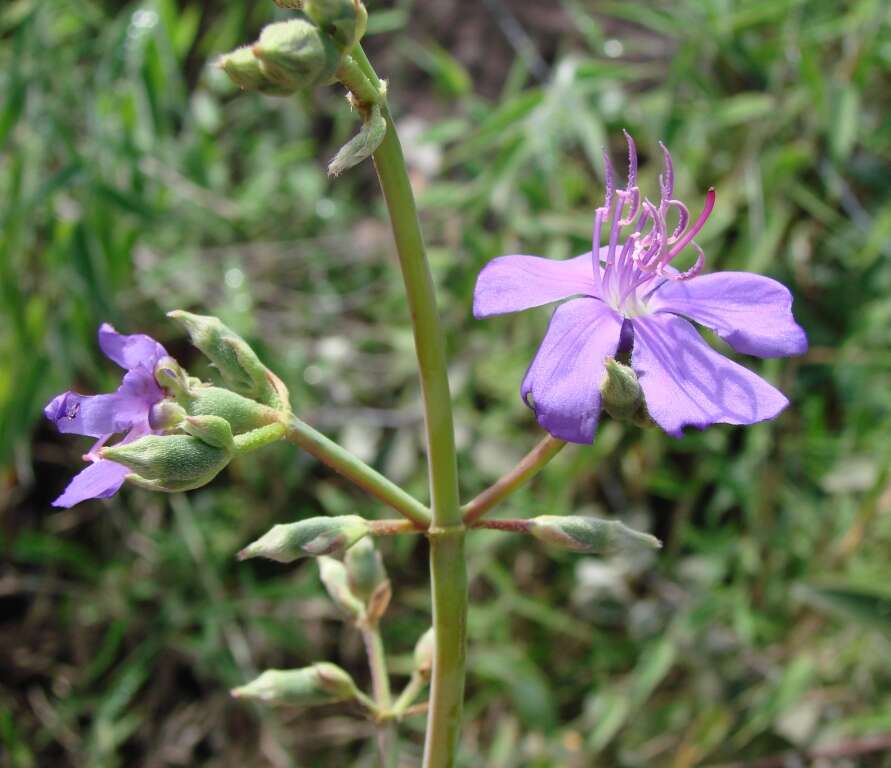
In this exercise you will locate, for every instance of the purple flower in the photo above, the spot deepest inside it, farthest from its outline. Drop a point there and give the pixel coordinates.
(632, 300)
(126, 411)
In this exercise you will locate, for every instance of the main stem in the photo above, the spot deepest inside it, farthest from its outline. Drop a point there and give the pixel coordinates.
(448, 571)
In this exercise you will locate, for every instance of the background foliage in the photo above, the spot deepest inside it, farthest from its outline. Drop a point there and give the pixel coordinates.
(134, 180)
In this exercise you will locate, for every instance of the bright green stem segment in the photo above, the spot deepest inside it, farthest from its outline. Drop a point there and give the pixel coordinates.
(259, 438)
(448, 569)
(353, 468)
(529, 466)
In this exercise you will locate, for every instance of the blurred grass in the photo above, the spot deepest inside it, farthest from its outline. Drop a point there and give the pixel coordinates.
(134, 180)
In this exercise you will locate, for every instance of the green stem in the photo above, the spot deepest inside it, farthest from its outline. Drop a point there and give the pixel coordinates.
(412, 690)
(351, 75)
(353, 468)
(528, 467)
(380, 684)
(258, 438)
(448, 569)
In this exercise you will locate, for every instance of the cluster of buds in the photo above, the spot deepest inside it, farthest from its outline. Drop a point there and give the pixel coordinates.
(359, 587)
(300, 53)
(198, 428)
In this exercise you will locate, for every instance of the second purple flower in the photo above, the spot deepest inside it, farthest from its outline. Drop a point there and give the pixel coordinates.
(631, 300)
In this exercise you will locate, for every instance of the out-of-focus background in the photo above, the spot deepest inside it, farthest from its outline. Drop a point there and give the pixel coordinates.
(134, 179)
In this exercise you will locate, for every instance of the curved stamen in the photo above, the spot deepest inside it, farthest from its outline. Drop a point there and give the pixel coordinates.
(692, 272)
(653, 242)
(632, 160)
(666, 179)
(595, 247)
(609, 178)
(697, 225)
(632, 195)
(683, 219)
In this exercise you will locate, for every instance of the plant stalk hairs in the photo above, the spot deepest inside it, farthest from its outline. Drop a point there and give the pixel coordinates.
(621, 341)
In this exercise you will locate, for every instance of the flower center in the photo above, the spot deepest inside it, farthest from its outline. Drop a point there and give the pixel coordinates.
(631, 267)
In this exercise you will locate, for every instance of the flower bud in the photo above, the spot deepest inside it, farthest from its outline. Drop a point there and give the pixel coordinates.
(171, 376)
(213, 430)
(590, 534)
(245, 71)
(365, 569)
(620, 391)
(166, 414)
(169, 462)
(322, 683)
(333, 574)
(242, 413)
(425, 650)
(368, 578)
(344, 20)
(312, 537)
(237, 363)
(296, 54)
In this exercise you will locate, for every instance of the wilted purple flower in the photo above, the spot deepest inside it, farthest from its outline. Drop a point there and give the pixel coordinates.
(127, 411)
(632, 300)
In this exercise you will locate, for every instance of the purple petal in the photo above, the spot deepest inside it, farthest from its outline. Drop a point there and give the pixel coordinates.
(130, 351)
(97, 415)
(687, 382)
(752, 313)
(564, 378)
(97, 481)
(140, 385)
(514, 283)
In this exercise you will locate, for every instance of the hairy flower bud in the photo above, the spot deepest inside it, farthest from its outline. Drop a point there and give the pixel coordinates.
(245, 71)
(312, 537)
(170, 462)
(171, 376)
(344, 21)
(333, 574)
(590, 534)
(368, 578)
(242, 413)
(322, 683)
(296, 54)
(620, 392)
(365, 569)
(166, 414)
(425, 649)
(237, 363)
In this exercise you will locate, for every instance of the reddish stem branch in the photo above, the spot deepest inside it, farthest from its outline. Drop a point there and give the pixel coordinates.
(528, 467)
(393, 527)
(511, 526)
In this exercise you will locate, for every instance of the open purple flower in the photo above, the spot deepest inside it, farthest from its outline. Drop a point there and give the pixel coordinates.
(632, 300)
(127, 411)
